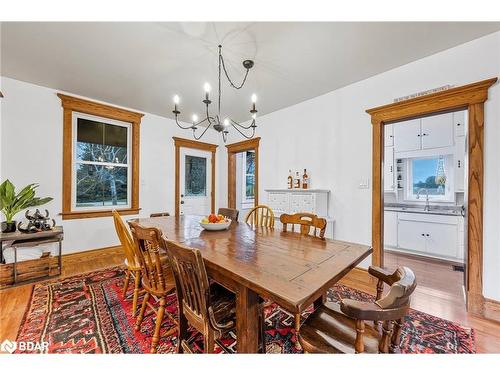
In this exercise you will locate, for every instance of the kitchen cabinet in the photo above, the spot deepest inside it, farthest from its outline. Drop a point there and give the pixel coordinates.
(389, 135)
(431, 235)
(459, 162)
(407, 135)
(390, 229)
(389, 169)
(437, 131)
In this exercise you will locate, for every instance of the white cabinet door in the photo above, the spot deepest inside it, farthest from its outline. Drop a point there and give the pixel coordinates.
(302, 202)
(407, 136)
(459, 123)
(389, 135)
(441, 239)
(278, 202)
(411, 235)
(437, 131)
(390, 228)
(389, 169)
(459, 163)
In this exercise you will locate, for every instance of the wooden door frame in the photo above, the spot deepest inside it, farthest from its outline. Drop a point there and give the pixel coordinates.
(232, 150)
(188, 143)
(470, 97)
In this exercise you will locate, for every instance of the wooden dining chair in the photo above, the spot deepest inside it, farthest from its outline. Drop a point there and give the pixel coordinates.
(260, 216)
(231, 213)
(159, 214)
(306, 221)
(157, 278)
(133, 270)
(208, 307)
(335, 328)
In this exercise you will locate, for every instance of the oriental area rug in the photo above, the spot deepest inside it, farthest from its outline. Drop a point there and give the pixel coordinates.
(87, 314)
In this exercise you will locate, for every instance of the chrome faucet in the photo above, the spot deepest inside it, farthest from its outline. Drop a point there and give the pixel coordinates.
(426, 208)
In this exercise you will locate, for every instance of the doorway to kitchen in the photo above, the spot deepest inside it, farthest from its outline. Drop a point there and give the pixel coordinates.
(469, 98)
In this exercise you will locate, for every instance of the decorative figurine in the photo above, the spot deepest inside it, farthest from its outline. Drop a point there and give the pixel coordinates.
(37, 222)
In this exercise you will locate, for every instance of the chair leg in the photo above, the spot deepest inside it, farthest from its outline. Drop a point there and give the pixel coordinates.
(137, 287)
(159, 320)
(141, 313)
(209, 341)
(386, 337)
(298, 316)
(359, 344)
(183, 330)
(125, 284)
(396, 334)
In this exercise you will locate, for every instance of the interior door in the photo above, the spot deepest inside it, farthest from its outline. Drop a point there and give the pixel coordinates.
(195, 182)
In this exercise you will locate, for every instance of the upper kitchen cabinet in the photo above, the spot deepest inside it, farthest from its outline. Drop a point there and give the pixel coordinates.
(407, 136)
(389, 169)
(437, 131)
(389, 135)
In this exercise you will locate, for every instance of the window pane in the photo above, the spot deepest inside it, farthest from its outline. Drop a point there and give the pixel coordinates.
(250, 167)
(250, 186)
(424, 173)
(98, 185)
(195, 176)
(98, 141)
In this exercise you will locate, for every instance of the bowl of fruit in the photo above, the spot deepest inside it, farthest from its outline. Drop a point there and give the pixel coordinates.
(215, 222)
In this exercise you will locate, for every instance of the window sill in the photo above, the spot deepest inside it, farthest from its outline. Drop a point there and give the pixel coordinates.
(97, 213)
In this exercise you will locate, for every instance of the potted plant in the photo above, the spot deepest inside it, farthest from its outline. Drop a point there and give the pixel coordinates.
(12, 203)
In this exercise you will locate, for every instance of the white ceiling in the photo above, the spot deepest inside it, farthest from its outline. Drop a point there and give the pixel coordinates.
(142, 65)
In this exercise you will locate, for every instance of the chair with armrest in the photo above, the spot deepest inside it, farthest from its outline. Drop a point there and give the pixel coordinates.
(341, 328)
(306, 221)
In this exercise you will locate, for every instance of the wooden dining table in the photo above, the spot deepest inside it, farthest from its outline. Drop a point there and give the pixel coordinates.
(291, 269)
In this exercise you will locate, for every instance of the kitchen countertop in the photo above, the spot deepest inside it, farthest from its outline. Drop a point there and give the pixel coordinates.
(419, 209)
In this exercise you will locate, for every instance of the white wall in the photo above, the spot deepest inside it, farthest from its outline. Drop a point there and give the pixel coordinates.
(31, 151)
(330, 135)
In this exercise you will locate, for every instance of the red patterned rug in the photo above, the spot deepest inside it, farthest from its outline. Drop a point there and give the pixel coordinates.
(86, 314)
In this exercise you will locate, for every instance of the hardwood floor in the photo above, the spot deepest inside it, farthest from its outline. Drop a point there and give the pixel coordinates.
(439, 293)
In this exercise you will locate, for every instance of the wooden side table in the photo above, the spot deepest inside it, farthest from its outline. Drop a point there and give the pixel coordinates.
(18, 240)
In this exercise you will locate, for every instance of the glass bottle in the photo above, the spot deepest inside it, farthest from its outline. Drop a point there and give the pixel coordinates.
(305, 180)
(290, 179)
(297, 181)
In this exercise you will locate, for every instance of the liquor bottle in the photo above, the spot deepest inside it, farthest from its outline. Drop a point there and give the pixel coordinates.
(305, 180)
(296, 184)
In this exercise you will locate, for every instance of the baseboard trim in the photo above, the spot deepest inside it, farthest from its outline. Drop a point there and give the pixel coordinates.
(491, 309)
(361, 278)
(79, 253)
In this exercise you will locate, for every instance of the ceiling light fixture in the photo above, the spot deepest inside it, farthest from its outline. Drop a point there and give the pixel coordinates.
(216, 121)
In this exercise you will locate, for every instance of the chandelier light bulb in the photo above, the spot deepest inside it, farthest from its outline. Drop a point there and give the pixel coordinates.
(254, 116)
(195, 118)
(176, 99)
(207, 87)
(226, 122)
(254, 98)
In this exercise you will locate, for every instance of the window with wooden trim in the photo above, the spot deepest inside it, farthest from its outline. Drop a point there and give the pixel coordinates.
(100, 159)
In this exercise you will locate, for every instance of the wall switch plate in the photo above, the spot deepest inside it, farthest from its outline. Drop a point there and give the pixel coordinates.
(364, 184)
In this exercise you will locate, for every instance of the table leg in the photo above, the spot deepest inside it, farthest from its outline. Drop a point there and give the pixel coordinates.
(15, 264)
(320, 301)
(59, 261)
(247, 321)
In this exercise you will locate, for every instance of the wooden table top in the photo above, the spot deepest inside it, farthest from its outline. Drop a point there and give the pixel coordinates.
(287, 267)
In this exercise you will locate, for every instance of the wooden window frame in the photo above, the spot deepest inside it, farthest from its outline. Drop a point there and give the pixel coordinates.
(188, 143)
(232, 150)
(471, 98)
(72, 104)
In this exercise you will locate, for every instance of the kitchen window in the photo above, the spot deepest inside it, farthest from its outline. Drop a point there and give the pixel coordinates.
(432, 176)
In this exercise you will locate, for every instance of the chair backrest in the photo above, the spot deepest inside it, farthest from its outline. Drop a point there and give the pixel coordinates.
(192, 285)
(126, 240)
(260, 216)
(401, 289)
(159, 214)
(148, 244)
(306, 222)
(231, 213)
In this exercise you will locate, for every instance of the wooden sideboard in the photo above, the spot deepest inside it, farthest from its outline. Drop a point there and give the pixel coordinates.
(291, 201)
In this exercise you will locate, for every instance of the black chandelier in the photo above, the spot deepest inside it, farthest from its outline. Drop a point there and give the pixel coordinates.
(215, 121)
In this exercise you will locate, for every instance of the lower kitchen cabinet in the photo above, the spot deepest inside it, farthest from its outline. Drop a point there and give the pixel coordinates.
(425, 234)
